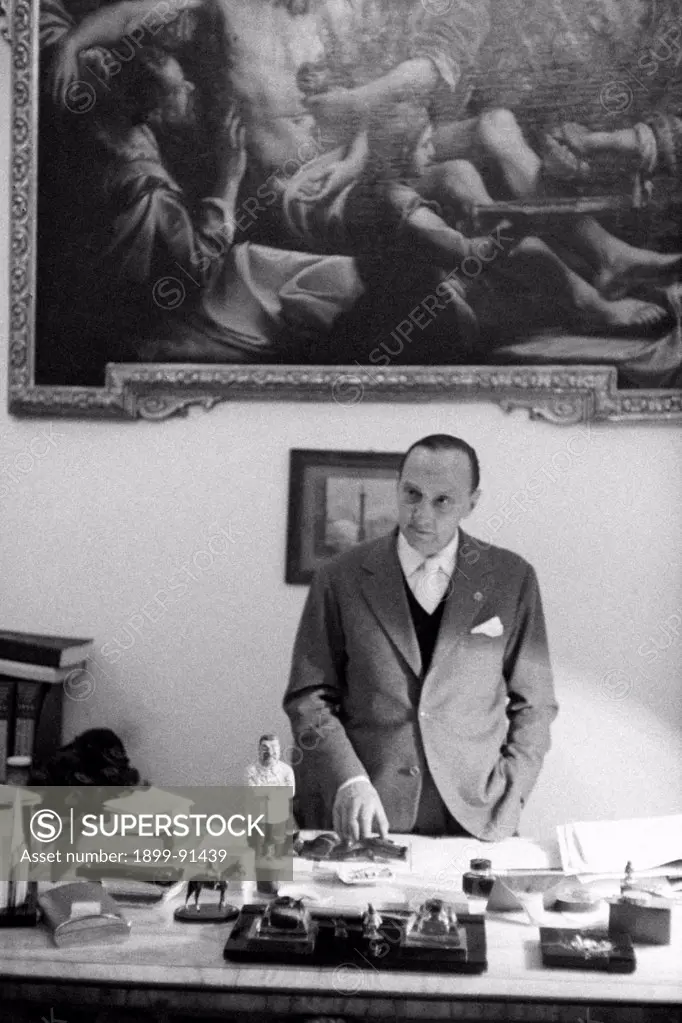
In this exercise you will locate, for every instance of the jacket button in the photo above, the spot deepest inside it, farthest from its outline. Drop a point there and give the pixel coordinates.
(414, 772)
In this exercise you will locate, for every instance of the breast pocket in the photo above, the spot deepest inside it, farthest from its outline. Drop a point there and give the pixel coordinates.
(484, 650)
(480, 688)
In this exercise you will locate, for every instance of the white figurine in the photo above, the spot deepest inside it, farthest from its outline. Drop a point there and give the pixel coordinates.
(272, 772)
(270, 769)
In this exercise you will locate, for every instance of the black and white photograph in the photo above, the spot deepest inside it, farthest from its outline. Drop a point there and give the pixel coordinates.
(340, 474)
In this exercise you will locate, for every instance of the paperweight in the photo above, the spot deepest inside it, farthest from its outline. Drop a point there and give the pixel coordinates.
(573, 897)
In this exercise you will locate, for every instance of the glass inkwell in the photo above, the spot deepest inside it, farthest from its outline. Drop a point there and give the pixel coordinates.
(477, 884)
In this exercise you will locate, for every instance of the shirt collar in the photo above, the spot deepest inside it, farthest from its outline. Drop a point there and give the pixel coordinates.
(410, 559)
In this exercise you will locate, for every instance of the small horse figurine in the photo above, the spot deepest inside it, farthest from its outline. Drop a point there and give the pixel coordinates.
(195, 887)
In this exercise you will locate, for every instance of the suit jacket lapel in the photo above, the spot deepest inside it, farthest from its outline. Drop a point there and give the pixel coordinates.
(384, 588)
(470, 587)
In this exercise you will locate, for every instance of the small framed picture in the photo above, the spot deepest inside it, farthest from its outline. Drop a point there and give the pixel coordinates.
(337, 499)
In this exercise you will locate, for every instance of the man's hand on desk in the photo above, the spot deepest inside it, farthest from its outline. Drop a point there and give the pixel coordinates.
(358, 812)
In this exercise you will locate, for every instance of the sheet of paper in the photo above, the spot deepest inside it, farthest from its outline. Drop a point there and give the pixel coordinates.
(450, 857)
(602, 846)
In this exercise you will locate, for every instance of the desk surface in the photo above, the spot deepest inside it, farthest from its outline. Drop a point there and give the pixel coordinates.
(165, 962)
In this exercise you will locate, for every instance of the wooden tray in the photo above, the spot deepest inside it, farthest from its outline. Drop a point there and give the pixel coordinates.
(322, 947)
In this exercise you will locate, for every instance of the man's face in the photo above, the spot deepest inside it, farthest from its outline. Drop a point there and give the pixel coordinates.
(177, 108)
(268, 752)
(434, 495)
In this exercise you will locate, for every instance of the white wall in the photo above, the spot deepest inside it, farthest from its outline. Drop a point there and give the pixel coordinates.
(109, 513)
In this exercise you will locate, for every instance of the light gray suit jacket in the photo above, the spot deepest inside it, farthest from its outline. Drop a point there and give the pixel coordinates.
(480, 719)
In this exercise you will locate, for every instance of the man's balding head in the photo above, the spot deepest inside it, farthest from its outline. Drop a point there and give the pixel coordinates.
(437, 488)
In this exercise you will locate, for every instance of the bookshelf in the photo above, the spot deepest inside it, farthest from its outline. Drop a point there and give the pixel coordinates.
(35, 669)
(31, 718)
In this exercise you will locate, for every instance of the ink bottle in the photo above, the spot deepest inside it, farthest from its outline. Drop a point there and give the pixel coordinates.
(479, 879)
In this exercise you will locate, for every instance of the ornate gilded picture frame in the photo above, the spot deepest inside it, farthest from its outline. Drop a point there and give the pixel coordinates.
(328, 200)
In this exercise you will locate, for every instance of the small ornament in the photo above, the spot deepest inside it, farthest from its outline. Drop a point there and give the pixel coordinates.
(643, 916)
(209, 912)
(278, 828)
(627, 882)
(371, 922)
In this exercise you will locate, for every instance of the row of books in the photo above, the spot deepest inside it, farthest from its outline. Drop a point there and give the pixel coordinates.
(30, 666)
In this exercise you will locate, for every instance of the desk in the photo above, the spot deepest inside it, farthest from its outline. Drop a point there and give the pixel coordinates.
(168, 970)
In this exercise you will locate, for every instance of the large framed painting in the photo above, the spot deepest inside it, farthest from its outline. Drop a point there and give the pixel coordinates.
(337, 499)
(346, 200)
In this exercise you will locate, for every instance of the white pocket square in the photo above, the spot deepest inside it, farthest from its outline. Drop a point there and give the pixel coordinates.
(493, 627)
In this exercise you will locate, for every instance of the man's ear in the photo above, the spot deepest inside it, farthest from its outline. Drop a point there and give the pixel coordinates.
(473, 500)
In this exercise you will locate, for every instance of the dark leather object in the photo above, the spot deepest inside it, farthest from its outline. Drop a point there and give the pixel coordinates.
(95, 757)
(327, 846)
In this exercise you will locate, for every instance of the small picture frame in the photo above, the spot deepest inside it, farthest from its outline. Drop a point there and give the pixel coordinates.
(337, 499)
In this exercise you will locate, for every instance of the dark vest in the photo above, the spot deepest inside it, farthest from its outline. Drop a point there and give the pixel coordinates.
(426, 627)
(433, 816)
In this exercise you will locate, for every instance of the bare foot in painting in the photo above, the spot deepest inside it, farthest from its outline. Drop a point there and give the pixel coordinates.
(576, 136)
(639, 267)
(626, 316)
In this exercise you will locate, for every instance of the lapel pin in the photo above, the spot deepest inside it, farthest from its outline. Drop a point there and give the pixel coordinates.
(478, 595)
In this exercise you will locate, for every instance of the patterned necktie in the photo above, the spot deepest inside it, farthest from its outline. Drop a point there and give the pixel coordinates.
(429, 584)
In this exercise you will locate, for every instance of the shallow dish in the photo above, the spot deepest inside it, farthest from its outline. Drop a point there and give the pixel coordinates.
(366, 875)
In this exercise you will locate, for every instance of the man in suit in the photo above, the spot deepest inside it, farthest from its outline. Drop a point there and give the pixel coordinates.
(421, 692)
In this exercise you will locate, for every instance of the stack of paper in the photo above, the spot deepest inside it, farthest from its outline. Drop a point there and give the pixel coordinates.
(604, 847)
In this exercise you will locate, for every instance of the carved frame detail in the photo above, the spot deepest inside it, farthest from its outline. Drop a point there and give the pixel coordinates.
(558, 394)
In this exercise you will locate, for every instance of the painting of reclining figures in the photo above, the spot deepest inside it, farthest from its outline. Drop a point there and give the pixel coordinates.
(381, 183)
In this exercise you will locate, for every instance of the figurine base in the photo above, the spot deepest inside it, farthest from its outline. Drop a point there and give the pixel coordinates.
(206, 914)
(20, 916)
(335, 939)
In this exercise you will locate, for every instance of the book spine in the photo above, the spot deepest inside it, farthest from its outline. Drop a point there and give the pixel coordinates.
(6, 700)
(36, 672)
(30, 653)
(30, 696)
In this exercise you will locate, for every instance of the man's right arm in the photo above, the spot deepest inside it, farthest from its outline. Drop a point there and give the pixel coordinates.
(127, 18)
(139, 20)
(314, 697)
(328, 765)
(314, 702)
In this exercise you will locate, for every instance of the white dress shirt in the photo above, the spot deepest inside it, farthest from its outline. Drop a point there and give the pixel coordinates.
(428, 579)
